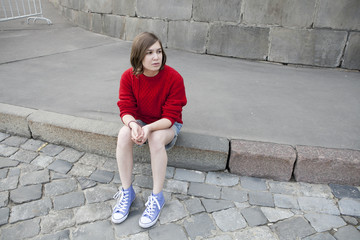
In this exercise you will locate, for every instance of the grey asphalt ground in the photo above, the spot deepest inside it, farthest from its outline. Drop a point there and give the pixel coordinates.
(65, 69)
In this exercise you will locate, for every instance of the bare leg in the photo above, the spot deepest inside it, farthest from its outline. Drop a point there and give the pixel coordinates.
(157, 141)
(124, 156)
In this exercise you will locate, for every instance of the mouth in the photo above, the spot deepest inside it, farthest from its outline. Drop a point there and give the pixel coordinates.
(155, 64)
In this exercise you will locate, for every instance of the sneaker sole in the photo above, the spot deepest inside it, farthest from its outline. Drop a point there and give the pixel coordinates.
(150, 224)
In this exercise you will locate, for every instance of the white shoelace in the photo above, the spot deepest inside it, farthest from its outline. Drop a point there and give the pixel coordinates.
(123, 201)
(151, 203)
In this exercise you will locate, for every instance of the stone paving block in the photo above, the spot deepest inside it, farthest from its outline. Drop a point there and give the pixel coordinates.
(24, 156)
(261, 159)
(16, 231)
(351, 61)
(6, 162)
(102, 176)
(3, 136)
(315, 190)
(204, 190)
(170, 171)
(254, 216)
(15, 141)
(93, 160)
(59, 235)
(30, 210)
(4, 215)
(279, 12)
(59, 187)
(294, 228)
(347, 232)
(319, 205)
(256, 233)
(193, 205)
(323, 165)
(344, 191)
(276, 214)
(70, 155)
(100, 193)
(285, 201)
(213, 205)
(199, 225)
(6, 151)
(222, 10)
(172, 212)
(222, 179)
(254, 41)
(52, 150)
(188, 36)
(57, 220)
(229, 220)
(169, 231)
(320, 236)
(189, 175)
(96, 230)
(261, 199)
(60, 166)
(4, 199)
(175, 186)
(86, 183)
(307, 47)
(3, 173)
(171, 9)
(350, 220)
(26, 193)
(82, 170)
(69, 200)
(130, 226)
(9, 183)
(143, 181)
(324, 222)
(14, 172)
(288, 188)
(252, 183)
(32, 145)
(338, 15)
(234, 195)
(92, 212)
(350, 207)
(43, 161)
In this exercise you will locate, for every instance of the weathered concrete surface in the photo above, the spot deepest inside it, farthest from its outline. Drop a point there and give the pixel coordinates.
(13, 119)
(352, 52)
(260, 159)
(322, 165)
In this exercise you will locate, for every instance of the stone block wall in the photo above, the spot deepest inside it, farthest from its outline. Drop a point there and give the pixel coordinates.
(323, 33)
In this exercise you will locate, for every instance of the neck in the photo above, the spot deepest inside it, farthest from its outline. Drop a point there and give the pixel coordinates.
(151, 73)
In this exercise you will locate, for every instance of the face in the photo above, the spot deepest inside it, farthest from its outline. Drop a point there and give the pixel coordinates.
(152, 60)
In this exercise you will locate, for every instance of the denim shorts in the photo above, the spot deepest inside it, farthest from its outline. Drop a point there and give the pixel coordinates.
(176, 127)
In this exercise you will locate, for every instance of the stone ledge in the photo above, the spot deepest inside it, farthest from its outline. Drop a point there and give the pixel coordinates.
(324, 165)
(262, 159)
(192, 151)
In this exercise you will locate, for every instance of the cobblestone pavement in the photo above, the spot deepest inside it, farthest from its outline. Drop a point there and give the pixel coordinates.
(49, 191)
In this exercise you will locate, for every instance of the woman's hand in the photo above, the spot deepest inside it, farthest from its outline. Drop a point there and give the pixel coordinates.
(137, 134)
(146, 131)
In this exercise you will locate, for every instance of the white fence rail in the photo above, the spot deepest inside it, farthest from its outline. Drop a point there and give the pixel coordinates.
(16, 9)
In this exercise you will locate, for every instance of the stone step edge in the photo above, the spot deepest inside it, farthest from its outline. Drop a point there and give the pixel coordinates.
(192, 151)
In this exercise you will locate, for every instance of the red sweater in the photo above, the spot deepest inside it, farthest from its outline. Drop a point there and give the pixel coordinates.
(152, 98)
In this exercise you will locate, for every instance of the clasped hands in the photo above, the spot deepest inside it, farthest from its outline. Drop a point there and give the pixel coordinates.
(139, 134)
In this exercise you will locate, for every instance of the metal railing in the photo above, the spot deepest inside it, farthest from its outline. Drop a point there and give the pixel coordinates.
(16, 9)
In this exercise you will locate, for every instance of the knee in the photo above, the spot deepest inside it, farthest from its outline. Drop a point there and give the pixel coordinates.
(156, 142)
(124, 137)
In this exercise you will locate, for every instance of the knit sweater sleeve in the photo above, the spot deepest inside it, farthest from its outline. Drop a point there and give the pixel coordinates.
(127, 102)
(176, 100)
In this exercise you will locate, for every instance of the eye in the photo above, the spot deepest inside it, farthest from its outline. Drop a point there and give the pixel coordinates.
(149, 52)
(159, 51)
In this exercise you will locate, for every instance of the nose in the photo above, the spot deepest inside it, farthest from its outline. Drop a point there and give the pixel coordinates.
(156, 55)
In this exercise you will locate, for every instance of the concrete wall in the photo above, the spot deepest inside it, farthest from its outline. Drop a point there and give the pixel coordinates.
(322, 33)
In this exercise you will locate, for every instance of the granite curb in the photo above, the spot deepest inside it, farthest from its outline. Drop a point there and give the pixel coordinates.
(192, 151)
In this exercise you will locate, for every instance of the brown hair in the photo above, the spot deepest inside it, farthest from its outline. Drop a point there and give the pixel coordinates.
(140, 45)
